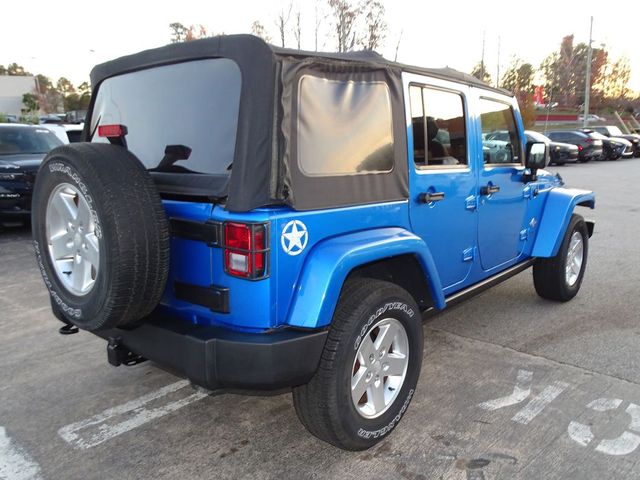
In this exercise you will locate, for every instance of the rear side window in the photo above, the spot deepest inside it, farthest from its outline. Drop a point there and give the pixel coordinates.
(194, 104)
(438, 126)
(344, 127)
(500, 139)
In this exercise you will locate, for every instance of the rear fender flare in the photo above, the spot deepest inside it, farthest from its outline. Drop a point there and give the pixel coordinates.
(330, 262)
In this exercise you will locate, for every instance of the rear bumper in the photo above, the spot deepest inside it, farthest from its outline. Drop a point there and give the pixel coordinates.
(216, 358)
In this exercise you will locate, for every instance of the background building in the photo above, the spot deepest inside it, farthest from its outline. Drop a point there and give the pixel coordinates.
(12, 88)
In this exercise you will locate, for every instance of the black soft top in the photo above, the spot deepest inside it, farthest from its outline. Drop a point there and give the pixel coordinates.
(260, 175)
(249, 47)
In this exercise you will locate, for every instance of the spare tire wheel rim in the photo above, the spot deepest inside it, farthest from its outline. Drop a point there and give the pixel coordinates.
(380, 368)
(575, 255)
(74, 248)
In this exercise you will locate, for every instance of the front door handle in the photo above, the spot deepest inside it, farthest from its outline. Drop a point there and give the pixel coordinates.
(489, 189)
(429, 197)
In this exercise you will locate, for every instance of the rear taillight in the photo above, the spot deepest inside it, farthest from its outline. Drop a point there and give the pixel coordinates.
(580, 148)
(589, 140)
(112, 131)
(245, 250)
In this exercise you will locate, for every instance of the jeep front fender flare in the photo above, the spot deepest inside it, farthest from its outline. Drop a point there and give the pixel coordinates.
(556, 216)
(328, 264)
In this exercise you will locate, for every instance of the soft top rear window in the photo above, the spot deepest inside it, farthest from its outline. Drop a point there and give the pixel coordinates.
(192, 104)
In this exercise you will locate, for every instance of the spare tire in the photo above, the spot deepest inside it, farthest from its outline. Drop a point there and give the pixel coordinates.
(100, 234)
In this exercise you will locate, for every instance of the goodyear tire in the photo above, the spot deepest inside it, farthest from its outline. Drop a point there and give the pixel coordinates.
(100, 235)
(560, 277)
(369, 367)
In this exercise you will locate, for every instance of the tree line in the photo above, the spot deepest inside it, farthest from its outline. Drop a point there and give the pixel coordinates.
(346, 25)
(48, 96)
(563, 75)
(339, 25)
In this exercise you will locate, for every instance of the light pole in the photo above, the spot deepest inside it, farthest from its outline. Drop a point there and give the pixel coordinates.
(587, 82)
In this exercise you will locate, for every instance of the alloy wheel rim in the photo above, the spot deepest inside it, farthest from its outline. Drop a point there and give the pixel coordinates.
(379, 368)
(72, 244)
(575, 256)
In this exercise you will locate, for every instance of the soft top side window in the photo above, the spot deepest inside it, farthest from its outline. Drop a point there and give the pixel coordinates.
(344, 127)
(343, 135)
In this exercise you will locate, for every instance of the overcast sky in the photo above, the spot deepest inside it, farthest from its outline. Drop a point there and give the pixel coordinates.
(66, 38)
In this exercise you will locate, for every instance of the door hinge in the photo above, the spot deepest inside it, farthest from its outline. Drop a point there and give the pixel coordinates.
(469, 254)
(531, 191)
(471, 203)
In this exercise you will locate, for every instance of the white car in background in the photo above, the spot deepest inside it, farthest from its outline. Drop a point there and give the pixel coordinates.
(67, 132)
(592, 118)
(74, 131)
(58, 129)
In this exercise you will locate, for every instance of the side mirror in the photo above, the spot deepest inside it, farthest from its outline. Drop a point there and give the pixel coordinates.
(537, 156)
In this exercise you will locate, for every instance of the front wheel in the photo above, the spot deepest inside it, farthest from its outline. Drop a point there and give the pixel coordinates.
(369, 367)
(560, 277)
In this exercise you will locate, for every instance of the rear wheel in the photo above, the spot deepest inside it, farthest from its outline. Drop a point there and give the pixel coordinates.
(369, 367)
(100, 235)
(560, 277)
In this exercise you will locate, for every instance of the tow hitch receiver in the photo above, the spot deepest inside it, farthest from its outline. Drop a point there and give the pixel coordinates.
(118, 354)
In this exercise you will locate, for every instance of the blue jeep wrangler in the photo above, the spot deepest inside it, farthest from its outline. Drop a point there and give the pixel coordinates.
(258, 218)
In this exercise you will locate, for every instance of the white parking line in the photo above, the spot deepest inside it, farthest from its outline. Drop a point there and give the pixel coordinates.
(15, 463)
(520, 393)
(539, 403)
(123, 418)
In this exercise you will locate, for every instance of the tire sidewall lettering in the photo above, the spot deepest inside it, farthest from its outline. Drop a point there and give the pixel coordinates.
(389, 306)
(368, 434)
(69, 311)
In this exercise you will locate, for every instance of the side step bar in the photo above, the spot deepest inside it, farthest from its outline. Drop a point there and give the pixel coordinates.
(485, 284)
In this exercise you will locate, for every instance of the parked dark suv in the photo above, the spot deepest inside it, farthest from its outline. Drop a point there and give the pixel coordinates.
(588, 148)
(615, 132)
(613, 148)
(22, 148)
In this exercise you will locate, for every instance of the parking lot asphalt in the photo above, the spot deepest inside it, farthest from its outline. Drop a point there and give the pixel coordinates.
(512, 386)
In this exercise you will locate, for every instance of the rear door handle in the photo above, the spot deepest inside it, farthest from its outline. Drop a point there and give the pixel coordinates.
(489, 189)
(429, 197)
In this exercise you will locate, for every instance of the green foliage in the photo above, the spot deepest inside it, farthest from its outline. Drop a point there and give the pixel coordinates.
(17, 70)
(480, 72)
(178, 32)
(3, 118)
(518, 77)
(565, 72)
(65, 87)
(30, 118)
(30, 102)
(43, 84)
(74, 101)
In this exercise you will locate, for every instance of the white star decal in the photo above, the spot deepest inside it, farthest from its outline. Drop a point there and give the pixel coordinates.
(294, 237)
